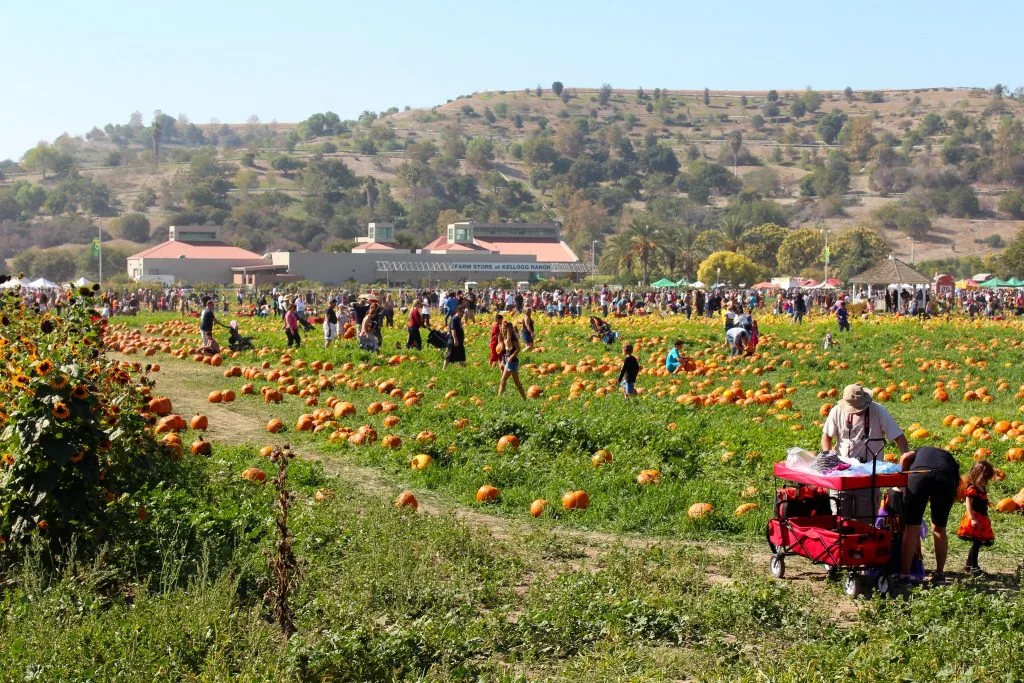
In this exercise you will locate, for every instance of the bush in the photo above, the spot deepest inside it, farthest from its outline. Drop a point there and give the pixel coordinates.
(1013, 204)
(901, 216)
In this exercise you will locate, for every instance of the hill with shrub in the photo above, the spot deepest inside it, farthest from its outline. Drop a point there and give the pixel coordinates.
(927, 174)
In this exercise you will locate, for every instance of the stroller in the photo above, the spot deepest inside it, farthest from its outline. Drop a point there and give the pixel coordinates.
(437, 339)
(236, 342)
(603, 330)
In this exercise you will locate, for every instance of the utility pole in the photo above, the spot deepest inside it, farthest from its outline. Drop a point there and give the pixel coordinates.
(99, 249)
(593, 255)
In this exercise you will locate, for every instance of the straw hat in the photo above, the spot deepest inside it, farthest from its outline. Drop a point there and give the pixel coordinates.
(855, 397)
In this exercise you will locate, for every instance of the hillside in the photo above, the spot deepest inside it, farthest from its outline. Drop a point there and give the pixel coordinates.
(936, 172)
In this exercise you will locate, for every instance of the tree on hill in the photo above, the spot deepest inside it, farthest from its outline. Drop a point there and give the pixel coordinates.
(604, 94)
(800, 251)
(132, 226)
(556, 88)
(854, 251)
(539, 91)
(1011, 262)
(773, 95)
(811, 99)
(480, 153)
(797, 108)
(584, 222)
(660, 158)
(728, 267)
(732, 228)
(830, 125)
(761, 244)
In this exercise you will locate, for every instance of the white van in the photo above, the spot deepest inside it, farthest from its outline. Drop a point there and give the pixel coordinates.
(523, 285)
(469, 285)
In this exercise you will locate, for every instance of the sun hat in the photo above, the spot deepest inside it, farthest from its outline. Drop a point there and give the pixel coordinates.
(855, 397)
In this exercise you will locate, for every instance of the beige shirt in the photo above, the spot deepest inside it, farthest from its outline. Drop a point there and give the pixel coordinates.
(848, 433)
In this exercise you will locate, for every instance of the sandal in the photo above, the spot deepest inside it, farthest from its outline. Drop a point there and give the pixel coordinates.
(939, 578)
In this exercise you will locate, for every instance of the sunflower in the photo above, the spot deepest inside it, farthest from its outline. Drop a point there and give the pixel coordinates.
(21, 381)
(46, 326)
(8, 459)
(60, 411)
(44, 367)
(80, 392)
(59, 383)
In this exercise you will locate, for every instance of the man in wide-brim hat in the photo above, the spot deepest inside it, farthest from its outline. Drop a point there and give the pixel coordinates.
(858, 427)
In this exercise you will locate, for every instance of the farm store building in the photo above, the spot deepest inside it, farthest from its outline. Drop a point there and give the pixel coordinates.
(469, 252)
(191, 254)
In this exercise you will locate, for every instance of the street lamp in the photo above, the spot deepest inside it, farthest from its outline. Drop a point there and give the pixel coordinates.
(825, 232)
(718, 276)
(593, 255)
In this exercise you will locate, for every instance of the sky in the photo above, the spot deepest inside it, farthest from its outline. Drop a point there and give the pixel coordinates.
(67, 66)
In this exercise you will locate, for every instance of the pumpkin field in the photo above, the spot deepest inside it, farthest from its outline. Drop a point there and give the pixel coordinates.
(444, 532)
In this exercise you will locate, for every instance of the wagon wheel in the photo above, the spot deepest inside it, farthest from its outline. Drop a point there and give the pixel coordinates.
(852, 585)
(777, 565)
(831, 572)
(883, 585)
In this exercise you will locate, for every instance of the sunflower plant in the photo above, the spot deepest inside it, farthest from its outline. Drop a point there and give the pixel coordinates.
(74, 448)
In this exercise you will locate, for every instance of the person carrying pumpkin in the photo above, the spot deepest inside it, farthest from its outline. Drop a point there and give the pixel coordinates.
(858, 427)
(496, 346)
(975, 525)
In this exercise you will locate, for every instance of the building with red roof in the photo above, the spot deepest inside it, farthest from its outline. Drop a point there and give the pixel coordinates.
(191, 254)
(380, 239)
(539, 241)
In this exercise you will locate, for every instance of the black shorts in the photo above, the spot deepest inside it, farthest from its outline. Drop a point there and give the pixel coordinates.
(938, 487)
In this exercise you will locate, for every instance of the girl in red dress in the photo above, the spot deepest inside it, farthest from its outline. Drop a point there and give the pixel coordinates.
(975, 526)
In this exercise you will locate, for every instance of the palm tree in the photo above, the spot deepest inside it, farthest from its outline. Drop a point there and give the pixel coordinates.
(690, 248)
(732, 229)
(618, 256)
(158, 130)
(643, 236)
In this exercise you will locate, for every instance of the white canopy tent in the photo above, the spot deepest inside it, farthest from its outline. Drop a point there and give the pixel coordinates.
(42, 283)
(82, 282)
(12, 283)
(698, 285)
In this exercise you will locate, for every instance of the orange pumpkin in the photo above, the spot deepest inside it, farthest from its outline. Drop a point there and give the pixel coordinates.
(575, 500)
(406, 499)
(199, 423)
(745, 508)
(214, 397)
(537, 507)
(275, 425)
(487, 494)
(700, 510)
(254, 474)
(420, 462)
(160, 406)
(200, 447)
(508, 442)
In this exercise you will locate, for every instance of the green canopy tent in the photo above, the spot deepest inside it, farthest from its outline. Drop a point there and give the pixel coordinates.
(686, 283)
(995, 282)
(663, 282)
(1015, 282)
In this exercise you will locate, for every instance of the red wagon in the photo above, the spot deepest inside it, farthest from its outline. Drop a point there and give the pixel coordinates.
(804, 525)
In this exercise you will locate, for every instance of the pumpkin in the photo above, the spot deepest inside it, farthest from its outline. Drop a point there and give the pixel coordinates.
(648, 477)
(215, 397)
(305, 423)
(1019, 499)
(745, 508)
(575, 500)
(323, 494)
(266, 451)
(1007, 505)
(406, 499)
(160, 406)
(534, 391)
(391, 441)
(199, 423)
(391, 420)
(537, 507)
(254, 474)
(200, 447)
(227, 396)
(374, 408)
(921, 433)
(601, 457)
(700, 510)
(487, 494)
(344, 409)
(426, 437)
(275, 425)
(420, 462)
(508, 442)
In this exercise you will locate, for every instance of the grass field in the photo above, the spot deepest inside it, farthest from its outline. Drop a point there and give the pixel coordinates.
(631, 588)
